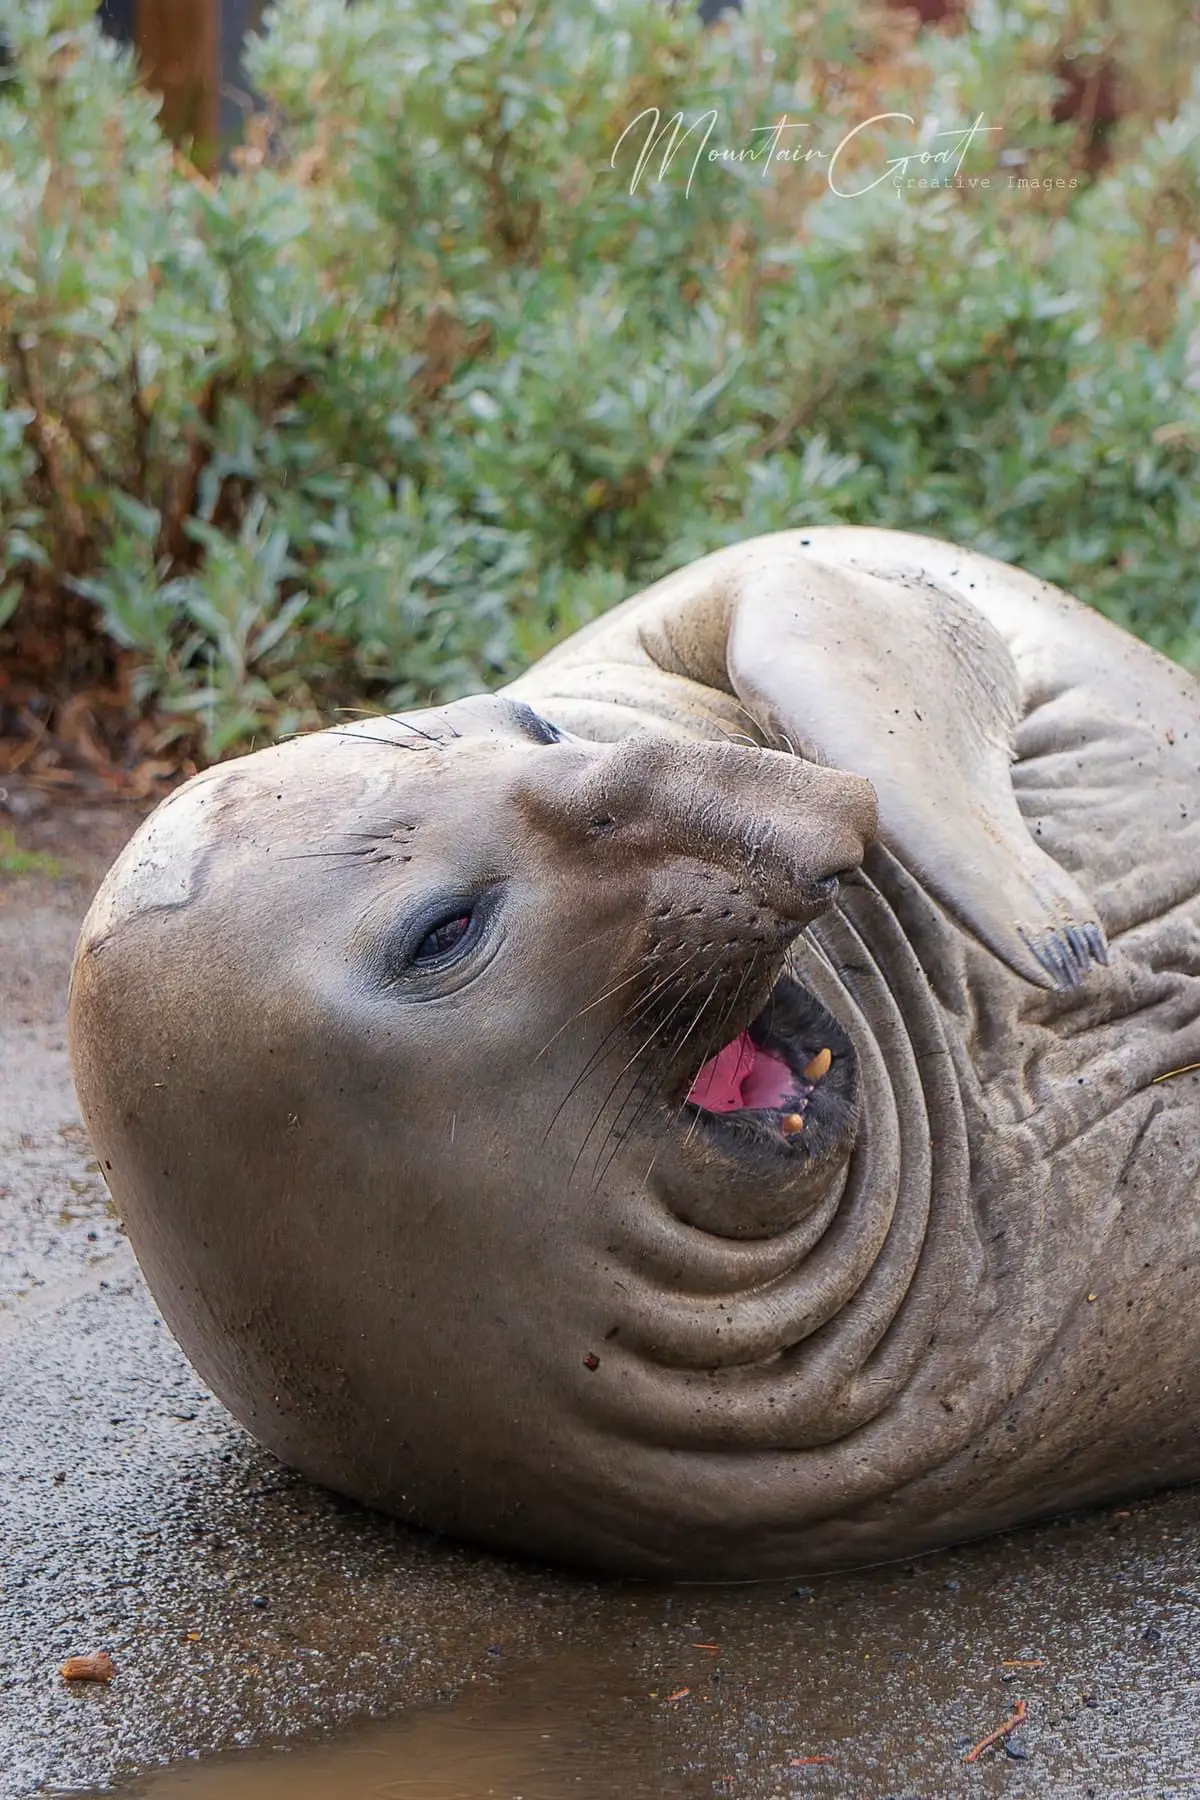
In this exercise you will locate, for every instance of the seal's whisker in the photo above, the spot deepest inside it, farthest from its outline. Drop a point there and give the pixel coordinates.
(711, 1044)
(730, 1010)
(595, 938)
(626, 1020)
(592, 1004)
(755, 724)
(368, 737)
(600, 1110)
(742, 739)
(711, 996)
(598, 1055)
(649, 1081)
(660, 1026)
(371, 712)
(670, 1054)
(595, 1058)
(307, 855)
(715, 1038)
(590, 1007)
(669, 1051)
(431, 737)
(649, 1078)
(652, 1086)
(589, 1068)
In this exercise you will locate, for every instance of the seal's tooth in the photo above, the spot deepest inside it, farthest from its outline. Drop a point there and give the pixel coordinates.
(819, 1065)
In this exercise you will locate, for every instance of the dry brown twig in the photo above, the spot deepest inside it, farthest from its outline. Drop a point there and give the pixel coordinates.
(1001, 1731)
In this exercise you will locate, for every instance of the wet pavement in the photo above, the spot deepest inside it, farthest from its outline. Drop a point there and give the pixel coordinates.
(245, 1610)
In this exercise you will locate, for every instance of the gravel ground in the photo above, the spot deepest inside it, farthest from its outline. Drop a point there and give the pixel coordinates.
(245, 1610)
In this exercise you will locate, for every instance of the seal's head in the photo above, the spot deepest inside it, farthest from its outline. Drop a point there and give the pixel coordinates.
(450, 1074)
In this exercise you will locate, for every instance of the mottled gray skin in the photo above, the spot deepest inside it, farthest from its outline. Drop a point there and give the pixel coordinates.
(450, 1239)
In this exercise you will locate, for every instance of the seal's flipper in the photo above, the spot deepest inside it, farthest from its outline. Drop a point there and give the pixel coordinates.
(911, 686)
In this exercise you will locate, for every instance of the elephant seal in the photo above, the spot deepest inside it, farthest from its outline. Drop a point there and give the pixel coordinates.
(571, 1119)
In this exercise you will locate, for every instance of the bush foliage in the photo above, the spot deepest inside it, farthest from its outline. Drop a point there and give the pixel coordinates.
(425, 380)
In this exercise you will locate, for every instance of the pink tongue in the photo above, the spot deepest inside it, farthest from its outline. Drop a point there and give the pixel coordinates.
(741, 1075)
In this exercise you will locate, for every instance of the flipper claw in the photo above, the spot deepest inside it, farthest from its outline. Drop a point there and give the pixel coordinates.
(1067, 953)
(1097, 944)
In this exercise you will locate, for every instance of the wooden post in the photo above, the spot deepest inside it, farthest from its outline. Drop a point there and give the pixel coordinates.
(238, 19)
(179, 47)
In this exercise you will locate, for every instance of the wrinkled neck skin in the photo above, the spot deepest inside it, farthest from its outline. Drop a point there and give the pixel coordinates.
(795, 1341)
(872, 1343)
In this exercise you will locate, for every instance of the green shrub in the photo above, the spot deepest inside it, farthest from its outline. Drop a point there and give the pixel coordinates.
(423, 384)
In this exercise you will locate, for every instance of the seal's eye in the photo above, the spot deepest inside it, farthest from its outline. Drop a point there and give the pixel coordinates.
(444, 938)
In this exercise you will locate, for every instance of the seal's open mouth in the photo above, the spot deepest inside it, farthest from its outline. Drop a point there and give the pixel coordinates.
(789, 1075)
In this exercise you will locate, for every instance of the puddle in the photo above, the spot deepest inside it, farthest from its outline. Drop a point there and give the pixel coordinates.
(876, 1686)
(1084, 1635)
(523, 1743)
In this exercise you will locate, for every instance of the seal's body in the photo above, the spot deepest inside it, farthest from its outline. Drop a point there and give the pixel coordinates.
(572, 1118)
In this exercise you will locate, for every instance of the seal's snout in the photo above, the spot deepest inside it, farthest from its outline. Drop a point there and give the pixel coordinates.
(788, 827)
